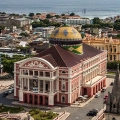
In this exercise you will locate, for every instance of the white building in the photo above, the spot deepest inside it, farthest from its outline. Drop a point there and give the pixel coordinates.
(77, 21)
(46, 31)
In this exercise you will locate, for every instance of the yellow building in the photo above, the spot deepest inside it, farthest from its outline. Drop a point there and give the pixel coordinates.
(111, 45)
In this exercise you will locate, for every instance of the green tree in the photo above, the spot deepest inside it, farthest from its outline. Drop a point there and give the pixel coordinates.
(57, 16)
(72, 14)
(46, 21)
(24, 34)
(2, 27)
(63, 14)
(65, 25)
(48, 16)
(118, 36)
(117, 26)
(31, 14)
(117, 21)
(8, 62)
(96, 20)
(3, 13)
(38, 13)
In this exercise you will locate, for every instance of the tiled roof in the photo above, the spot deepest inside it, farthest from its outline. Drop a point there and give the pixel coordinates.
(50, 59)
(64, 58)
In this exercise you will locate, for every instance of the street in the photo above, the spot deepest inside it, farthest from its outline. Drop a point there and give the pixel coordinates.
(80, 113)
(76, 113)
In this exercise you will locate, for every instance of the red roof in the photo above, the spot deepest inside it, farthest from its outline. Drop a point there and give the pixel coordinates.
(64, 58)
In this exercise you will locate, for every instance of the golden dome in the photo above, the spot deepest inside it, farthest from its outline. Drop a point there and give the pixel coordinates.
(66, 33)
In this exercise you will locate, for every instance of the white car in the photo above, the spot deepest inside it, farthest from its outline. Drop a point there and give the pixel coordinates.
(86, 96)
(82, 98)
(10, 90)
(97, 95)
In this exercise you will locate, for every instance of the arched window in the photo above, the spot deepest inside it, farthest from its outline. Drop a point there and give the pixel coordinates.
(63, 99)
(63, 72)
(63, 86)
(114, 106)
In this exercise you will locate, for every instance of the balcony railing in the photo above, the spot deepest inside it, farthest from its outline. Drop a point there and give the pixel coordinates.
(47, 92)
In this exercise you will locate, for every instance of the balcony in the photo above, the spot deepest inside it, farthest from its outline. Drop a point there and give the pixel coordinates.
(40, 92)
(37, 77)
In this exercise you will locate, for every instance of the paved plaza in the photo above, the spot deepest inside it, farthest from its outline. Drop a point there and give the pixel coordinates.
(76, 113)
(79, 113)
(4, 84)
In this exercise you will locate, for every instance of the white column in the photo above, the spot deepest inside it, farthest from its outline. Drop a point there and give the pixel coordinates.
(20, 72)
(69, 90)
(50, 87)
(38, 73)
(51, 100)
(57, 87)
(50, 75)
(43, 74)
(22, 83)
(21, 95)
(33, 73)
(28, 72)
(15, 80)
(28, 84)
(43, 86)
(38, 85)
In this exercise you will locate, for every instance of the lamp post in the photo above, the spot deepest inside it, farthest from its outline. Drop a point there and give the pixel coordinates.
(28, 116)
(1, 66)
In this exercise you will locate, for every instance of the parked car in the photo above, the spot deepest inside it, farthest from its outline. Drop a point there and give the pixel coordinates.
(5, 94)
(10, 90)
(97, 95)
(111, 83)
(82, 98)
(96, 110)
(92, 113)
(103, 90)
(86, 96)
(106, 97)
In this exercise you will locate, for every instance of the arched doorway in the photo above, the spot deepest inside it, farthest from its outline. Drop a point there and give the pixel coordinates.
(85, 91)
(41, 100)
(101, 85)
(46, 100)
(25, 98)
(55, 99)
(36, 99)
(96, 89)
(31, 99)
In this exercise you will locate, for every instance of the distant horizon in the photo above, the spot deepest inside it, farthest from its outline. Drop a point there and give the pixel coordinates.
(101, 9)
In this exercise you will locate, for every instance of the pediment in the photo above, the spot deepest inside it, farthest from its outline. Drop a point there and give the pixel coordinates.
(35, 64)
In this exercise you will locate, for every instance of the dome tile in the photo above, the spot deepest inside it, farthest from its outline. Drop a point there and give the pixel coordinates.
(66, 33)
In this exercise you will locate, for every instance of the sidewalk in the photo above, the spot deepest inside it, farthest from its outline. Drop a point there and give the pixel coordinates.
(65, 116)
(38, 106)
(78, 104)
(4, 84)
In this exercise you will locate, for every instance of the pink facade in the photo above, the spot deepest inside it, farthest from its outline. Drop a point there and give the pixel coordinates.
(38, 81)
